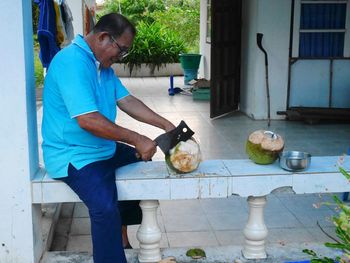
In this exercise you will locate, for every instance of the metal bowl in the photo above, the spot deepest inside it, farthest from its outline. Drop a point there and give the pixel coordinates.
(295, 161)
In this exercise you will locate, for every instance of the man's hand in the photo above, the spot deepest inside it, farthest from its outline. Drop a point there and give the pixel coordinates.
(145, 147)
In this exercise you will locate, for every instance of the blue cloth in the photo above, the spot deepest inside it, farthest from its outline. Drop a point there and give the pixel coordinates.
(47, 31)
(74, 85)
(95, 186)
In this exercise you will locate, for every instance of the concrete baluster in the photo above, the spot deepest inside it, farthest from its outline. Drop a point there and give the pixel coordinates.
(255, 231)
(149, 233)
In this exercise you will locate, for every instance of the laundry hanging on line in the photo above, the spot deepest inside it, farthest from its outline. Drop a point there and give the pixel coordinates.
(55, 28)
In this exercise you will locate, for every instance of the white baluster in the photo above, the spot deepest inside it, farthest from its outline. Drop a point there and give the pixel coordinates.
(149, 233)
(255, 231)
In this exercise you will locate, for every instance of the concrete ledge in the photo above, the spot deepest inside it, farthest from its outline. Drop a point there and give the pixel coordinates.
(122, 70)
(229, 254)
(213, 179)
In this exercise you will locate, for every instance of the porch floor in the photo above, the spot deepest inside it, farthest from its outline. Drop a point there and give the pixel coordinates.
(219, 222)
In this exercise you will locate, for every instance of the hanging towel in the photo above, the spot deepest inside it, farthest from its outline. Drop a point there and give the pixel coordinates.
(47, 31)
(61, 35)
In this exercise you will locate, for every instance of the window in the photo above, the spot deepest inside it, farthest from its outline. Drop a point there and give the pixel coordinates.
(322, 29)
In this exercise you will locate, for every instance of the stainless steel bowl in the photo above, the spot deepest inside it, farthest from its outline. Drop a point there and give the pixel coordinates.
(294, 160)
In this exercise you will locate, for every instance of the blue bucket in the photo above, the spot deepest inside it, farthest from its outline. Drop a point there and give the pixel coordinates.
(190, 74)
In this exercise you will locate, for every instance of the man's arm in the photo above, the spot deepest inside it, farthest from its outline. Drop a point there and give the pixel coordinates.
(139, 111)
(100, 126)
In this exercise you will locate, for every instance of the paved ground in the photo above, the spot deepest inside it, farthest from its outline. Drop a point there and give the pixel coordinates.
(291, 219)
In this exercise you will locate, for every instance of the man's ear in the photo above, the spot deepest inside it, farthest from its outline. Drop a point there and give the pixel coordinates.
(103, 37)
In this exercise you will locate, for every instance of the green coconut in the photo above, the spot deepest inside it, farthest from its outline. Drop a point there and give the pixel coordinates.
(185, 157)
(263, 147)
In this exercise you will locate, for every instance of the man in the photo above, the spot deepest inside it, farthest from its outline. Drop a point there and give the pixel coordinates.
(82, 145)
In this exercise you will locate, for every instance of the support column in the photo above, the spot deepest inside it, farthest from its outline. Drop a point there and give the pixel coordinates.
(149, 233)
(20, 221)
(255, 231)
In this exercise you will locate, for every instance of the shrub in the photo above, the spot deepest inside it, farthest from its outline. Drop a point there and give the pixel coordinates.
(135, 11)
(154, 45)
(342, 230)
(185, 20)
(181, 16)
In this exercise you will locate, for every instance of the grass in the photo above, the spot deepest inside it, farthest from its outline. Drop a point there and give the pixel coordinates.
(38, 70)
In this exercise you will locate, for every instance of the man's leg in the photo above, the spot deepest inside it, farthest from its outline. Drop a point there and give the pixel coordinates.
(95, 185)
(130, 211)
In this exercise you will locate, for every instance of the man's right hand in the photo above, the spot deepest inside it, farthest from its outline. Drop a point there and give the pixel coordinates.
(145, 147)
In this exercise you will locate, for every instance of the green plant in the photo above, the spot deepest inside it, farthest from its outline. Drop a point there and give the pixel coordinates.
(135, 11)
(154, 45)
(185, 20)
(181, 16)
(342, 230)
(38, 67)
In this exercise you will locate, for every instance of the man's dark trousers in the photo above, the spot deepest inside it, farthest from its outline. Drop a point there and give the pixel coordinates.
(95, 186)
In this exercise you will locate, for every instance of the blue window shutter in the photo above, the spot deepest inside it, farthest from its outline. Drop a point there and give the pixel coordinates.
(322, 17)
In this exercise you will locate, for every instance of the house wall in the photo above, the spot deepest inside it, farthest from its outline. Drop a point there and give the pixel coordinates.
(76, 6)
(204, 47)
(260, 17)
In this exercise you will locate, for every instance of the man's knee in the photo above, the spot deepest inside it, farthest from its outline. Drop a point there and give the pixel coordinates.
(104, 210)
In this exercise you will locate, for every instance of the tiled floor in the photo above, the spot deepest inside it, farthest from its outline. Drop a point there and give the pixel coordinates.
(289, 218)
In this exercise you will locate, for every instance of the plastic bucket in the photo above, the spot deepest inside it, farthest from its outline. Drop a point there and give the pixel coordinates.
(190, 61)
(190, 74)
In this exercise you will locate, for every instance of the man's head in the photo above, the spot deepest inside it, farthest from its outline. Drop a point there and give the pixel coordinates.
(111, 38)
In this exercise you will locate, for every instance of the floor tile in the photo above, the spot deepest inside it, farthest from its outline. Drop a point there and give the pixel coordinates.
(234, 204)
(320, 236)
(80, 226)
(309, 218)
(229, 237)
(192, 239)
(80, 243)
(289, 235)
(180, 207)
(227, 221)
(80, 210)
(281, 219)
(185, 222)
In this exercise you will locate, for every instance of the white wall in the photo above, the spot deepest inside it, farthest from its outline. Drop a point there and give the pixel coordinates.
(18, 136)
(76, 6)
(272, 18)
(204, 47)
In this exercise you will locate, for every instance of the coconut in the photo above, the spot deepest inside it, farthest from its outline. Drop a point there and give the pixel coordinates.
(263, 147)
(185, 157)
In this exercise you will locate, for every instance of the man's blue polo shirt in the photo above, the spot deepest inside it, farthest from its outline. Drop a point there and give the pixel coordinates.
(75, 85)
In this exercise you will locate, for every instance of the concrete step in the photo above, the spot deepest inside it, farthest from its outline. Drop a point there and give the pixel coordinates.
(276, 254)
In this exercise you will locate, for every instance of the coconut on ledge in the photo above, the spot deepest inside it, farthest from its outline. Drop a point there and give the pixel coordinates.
(263, 147)
(185, 157)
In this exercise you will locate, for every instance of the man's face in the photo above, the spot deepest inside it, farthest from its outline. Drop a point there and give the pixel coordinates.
(115, 48)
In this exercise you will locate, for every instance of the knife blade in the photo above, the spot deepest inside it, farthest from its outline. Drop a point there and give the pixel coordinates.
(170, 139)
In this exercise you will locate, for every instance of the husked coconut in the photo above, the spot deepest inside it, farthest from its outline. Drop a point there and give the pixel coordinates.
(263, 147)
(184, 157)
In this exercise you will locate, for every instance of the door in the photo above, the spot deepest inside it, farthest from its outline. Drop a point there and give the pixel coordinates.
(225, 56)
